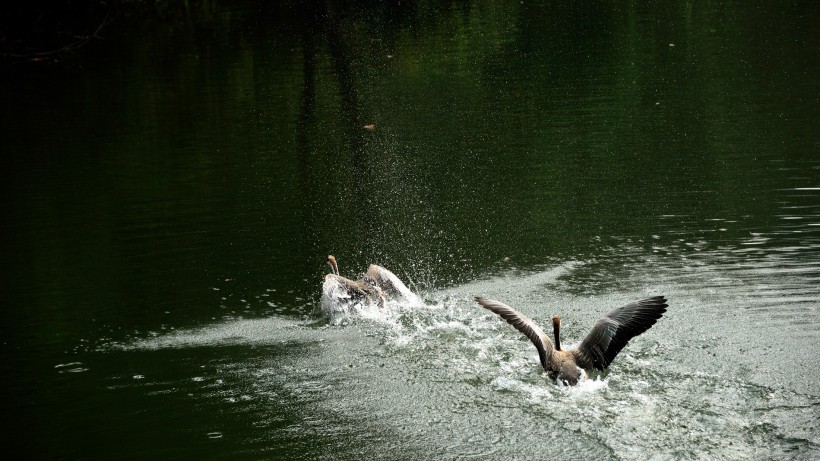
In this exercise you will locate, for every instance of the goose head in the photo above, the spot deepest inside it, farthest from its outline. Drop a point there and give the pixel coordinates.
(569, 374)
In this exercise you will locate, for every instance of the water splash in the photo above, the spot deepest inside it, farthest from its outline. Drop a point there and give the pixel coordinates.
(340, 308)
(415, 369)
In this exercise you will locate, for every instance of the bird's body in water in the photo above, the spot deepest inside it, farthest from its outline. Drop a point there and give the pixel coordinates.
(360, 290)
(608, 336)
(377, 285)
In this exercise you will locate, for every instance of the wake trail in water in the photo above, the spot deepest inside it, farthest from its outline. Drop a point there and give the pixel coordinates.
(438, 362)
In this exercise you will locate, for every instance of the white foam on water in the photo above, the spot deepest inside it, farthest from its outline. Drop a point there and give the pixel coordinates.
(441, 357)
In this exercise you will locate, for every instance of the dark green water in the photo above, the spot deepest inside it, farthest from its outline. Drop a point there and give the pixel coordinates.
(169, 199)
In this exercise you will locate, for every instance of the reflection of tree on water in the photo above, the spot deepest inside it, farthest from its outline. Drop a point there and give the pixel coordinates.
(55, 31)
(338, 163)
(48, 31)
(321, 28)
(320, 32)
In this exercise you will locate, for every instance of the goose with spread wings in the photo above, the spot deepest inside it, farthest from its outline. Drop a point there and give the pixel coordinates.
(608, 336)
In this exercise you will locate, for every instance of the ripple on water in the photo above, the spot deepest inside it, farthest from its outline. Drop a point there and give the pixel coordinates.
(445, 379)
(640, 403)
(73, 367)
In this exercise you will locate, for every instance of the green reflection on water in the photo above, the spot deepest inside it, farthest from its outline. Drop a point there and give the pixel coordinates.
(194, 170)
(233, 148)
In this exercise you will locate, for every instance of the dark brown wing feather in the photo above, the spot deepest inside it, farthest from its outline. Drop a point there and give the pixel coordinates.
(615, 329)
(523, 324)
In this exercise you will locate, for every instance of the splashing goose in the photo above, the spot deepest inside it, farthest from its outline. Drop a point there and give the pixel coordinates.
(364, 289)
(608, 336)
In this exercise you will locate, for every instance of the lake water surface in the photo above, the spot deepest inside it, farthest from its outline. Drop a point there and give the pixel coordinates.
(170, 196)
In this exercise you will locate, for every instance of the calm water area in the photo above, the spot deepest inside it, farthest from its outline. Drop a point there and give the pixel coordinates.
(170, 195)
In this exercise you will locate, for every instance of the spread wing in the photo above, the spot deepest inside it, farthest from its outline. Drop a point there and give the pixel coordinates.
(611, 333)
(523, 324)
(390, 284)
(384, 279)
